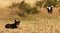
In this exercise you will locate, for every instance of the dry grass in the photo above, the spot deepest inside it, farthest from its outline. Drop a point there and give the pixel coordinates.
(39, 23)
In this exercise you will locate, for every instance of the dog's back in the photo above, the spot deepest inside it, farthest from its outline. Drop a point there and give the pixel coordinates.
(10, 26)
(14, 25)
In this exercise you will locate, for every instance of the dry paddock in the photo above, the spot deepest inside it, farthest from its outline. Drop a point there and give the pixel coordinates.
(43, 23)
(38, 25)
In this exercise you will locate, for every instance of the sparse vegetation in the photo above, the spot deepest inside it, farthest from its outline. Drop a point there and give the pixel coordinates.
(46, 3)
(25, 8)
(34, 11)
(39, 3)
(28, 9)
(14, 5)
(51, 3)
(40, 23)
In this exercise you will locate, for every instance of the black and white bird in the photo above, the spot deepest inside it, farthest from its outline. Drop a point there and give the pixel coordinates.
(49, 9)
(12, 26)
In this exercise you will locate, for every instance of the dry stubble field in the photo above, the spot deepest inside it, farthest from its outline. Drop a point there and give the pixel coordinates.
(42, 23)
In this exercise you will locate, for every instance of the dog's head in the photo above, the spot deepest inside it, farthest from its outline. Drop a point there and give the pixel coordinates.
(17, 22)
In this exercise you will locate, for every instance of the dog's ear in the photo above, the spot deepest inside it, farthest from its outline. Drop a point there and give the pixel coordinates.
(52, 6)
(19, 21)
(15, 21)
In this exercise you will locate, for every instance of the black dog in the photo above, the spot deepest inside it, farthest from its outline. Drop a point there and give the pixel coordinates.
(12, 26)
